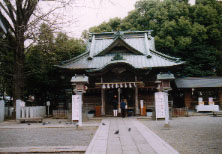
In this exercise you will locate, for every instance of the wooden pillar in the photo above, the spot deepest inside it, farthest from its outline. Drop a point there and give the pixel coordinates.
(103, 101)
(220, 97)
(103, 105)
(187, 98)
(119, 100)
(136, 101)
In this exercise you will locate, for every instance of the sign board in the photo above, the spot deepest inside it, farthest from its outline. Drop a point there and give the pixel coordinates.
(76, 102)
(200, 99)
(160, 100)
(210, 99)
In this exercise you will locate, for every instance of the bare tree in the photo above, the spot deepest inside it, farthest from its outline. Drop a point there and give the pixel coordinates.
(18, 22)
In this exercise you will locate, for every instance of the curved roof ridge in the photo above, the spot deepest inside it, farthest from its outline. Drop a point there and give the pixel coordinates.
(114, 41)
(166, 56)
(74, 59)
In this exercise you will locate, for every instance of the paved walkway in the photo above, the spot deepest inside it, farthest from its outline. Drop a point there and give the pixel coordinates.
(138, 140)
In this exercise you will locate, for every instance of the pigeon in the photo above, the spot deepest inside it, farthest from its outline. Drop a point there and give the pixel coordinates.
(77, 126)
(129, 129)
(103, 124)
(43, 123)
(29, 124)
(116, 132)
(60, 122)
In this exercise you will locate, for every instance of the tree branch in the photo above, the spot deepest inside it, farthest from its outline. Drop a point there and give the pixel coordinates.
(11, 9)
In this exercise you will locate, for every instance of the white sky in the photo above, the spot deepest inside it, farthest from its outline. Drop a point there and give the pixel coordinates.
(83, 14)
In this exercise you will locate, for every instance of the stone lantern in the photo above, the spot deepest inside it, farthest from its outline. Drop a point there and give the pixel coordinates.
(78, 82)
(163, 80)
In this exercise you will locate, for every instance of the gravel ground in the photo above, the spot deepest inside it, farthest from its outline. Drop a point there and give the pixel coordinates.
(46, 137)
(191, 135)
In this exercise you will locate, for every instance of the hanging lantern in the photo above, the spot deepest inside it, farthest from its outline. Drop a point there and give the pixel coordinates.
(134, 84)
(112, 85)
(103, 86)
(117, 85)
(125, 85)
(130, 86)
(121, 85)
(108, 86)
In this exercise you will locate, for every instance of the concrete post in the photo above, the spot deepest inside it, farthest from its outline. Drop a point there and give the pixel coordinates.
(18, 109)
(2, 111)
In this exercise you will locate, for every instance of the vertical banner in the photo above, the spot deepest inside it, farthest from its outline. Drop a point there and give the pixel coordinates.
(160, 98)
(76, 102)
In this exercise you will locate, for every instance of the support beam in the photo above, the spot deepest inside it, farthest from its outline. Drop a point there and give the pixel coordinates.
(136, 101)
(119, 100)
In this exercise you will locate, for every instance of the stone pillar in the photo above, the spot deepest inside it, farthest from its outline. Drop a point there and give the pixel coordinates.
(136, 101)
(2, 111)
(18, 109)
(220, 97)
(103, 101)
(187, 98)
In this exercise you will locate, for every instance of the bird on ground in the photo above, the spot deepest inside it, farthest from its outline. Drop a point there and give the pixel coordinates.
(103, 124)
(129, 129)
(116, 132)
(29, 124)
(77, 126)
(43, 123)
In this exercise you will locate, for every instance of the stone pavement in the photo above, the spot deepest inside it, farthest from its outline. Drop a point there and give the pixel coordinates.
(138, 140)
(43, 149)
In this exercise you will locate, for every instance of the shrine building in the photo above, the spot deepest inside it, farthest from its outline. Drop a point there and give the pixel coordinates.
(125, 64)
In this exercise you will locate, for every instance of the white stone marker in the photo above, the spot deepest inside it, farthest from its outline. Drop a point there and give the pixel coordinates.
(2, 111)
(18, 109)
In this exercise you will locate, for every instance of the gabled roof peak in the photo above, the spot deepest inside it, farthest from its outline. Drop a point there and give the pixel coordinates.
(124, 34)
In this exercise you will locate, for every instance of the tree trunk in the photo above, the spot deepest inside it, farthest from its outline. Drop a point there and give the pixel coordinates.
(18, 77)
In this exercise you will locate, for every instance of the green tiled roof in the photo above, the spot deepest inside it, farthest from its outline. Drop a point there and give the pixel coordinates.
(138, 51)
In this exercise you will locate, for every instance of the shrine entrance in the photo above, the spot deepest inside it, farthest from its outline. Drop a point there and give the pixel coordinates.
(128, 94)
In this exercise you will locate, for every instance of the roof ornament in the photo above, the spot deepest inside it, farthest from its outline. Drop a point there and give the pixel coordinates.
(117, 57)
(118, 34)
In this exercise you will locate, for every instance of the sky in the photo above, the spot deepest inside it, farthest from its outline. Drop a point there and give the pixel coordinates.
(80, 15)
